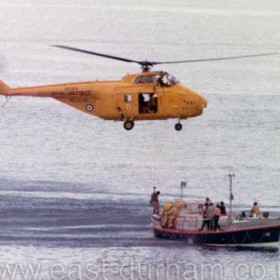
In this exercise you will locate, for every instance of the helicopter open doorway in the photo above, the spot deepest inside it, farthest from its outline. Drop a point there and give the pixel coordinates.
(148, 103)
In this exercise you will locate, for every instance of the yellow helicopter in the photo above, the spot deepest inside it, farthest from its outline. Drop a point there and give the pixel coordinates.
(149, 95)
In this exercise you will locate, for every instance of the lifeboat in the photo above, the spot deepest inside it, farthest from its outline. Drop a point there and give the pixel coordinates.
(183, 220)
(260, 231)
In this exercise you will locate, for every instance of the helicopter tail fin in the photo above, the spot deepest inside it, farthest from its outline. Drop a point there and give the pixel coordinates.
(4, 89)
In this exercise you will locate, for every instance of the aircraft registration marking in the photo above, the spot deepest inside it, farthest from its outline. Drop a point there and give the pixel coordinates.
(73, 93)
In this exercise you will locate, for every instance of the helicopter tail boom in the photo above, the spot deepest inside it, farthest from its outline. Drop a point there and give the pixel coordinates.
(31, 91)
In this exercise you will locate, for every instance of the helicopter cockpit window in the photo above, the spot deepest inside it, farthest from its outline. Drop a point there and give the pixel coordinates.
(173, 80)
(139, 80)
(144, 79)
(149, 79)
(163, 80)
(127, 98)
(148, 103)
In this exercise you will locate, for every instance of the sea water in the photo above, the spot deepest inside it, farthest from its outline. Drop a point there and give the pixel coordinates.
(75, 189)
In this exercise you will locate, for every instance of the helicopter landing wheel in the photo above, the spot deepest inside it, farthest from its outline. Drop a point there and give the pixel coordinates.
(128, 125)
(178, 126)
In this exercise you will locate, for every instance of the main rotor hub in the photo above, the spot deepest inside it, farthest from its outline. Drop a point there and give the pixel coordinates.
(146, 65)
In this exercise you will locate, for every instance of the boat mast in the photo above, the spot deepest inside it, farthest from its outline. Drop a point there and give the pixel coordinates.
(231, 176)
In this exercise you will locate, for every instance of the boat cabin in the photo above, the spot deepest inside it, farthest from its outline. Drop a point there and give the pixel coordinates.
(189, 215)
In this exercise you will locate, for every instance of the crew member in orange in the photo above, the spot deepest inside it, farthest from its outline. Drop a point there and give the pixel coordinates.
(255, 211)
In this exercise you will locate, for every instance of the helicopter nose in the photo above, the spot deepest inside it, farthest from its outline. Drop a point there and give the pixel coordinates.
(203, 101)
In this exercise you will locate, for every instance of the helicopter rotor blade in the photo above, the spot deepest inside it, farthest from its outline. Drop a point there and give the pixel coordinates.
(146, 64)
(214, 59)
(95, 53)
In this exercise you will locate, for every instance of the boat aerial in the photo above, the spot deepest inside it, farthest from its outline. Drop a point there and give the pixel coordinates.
(184, 221)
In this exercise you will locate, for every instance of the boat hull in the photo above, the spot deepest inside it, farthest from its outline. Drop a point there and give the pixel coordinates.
(255, 237)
